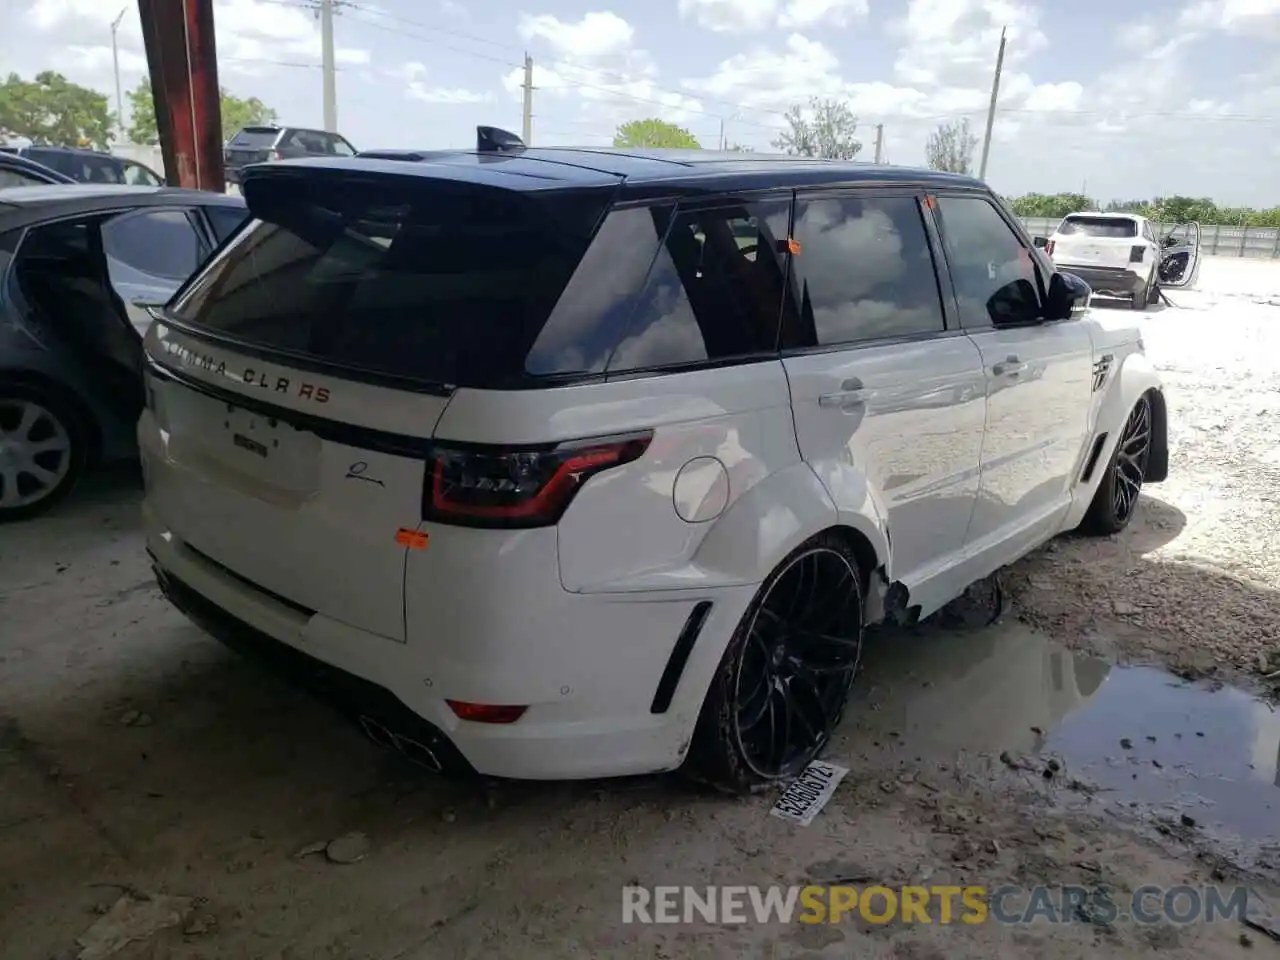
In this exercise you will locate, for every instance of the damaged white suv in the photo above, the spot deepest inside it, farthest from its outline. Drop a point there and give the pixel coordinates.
(552, 463)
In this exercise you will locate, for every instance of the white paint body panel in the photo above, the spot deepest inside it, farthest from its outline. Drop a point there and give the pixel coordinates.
(947, 473)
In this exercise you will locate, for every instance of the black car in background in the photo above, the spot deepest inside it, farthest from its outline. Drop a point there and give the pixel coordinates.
(16, 171)
(264, 144)
(82, 266)
(90, 166)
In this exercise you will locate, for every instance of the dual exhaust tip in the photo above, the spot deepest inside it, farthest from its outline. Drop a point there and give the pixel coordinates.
(416, 753)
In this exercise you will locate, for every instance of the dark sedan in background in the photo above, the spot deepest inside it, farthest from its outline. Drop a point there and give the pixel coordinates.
(89, 166)
(79, 267)
(19, 171)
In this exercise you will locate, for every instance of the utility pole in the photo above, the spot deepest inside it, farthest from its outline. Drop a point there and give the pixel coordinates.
(722, 144)
(879, 141)
(526, 128)
(115, 63)
(326, 54)
(991, 110)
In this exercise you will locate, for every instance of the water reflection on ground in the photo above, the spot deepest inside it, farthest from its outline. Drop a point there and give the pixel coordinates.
(1149, 742)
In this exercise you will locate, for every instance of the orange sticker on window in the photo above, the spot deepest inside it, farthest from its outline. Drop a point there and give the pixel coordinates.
(930, 202)
(793, 246)
(412, 539)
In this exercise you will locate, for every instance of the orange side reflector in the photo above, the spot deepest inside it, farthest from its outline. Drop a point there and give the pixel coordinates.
(413, 539)
(793, 247)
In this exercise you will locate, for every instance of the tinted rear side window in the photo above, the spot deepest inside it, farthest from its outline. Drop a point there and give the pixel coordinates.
(435, 281)
(1111, 227)
(661, 289)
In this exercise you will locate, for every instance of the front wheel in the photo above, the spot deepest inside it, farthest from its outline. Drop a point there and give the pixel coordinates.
(784, 679)
(1116, 499)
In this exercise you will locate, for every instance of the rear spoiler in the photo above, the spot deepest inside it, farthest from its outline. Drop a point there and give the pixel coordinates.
(488, 140)
(497, 140)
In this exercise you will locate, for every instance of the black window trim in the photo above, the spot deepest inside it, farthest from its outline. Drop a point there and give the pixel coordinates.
(950, 315)
(1019, 232)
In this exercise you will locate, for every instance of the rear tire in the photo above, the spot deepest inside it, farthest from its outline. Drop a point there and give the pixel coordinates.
(784, 680)
(44, 449)
(1116, 499)
(1142, 297)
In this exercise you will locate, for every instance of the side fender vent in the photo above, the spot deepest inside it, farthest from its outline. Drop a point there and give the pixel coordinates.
(1101, 371)
(679, 657)
(1092, 462)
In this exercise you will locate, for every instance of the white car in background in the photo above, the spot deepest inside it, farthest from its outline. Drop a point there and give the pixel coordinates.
(1122, 255)
(1117, 254)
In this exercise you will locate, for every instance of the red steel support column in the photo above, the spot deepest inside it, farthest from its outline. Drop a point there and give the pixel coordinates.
(183, 62)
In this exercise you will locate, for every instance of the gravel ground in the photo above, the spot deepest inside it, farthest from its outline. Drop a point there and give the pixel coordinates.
(138, 755)
(1194, 585)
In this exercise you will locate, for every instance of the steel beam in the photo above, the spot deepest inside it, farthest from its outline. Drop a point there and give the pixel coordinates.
(183, 63)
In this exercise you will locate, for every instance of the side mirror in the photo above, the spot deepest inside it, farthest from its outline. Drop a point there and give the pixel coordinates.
(1040, 242)
(1068, 297)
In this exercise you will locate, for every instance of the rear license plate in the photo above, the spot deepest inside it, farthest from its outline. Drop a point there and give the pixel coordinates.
(270, 449)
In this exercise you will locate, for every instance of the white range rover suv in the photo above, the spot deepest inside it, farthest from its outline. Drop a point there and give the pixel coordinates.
(558, 463)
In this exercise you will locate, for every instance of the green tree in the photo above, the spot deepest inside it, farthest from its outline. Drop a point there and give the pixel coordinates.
(236, 114)
(654, 133)
(53, 111)
(1055, 205)
(950, 148)
(824, 129)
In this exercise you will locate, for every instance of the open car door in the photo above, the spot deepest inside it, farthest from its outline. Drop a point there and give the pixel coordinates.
(1180, 256)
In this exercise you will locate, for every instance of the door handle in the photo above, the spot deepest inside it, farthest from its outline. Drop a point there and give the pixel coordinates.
(1011, 366)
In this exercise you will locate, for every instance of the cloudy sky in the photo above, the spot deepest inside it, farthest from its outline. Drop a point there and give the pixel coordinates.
(1122, 99)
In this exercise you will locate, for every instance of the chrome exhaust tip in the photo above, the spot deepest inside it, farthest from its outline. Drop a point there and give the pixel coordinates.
(417, 753)
(378, 733)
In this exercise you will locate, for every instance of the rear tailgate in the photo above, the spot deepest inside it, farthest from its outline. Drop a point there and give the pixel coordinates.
(250, 145)
(1095, 241)
(274, 475)
(296, 382)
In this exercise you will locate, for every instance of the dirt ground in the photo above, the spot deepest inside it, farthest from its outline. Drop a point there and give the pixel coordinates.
(138, 755)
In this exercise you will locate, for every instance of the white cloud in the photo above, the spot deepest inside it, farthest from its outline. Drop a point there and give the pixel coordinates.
(751, 16)
(954, 42)
(1243, 17)
(414, 75)
(595, 36)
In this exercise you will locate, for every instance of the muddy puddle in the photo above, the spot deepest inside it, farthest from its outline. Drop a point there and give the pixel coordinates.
(1134, 741)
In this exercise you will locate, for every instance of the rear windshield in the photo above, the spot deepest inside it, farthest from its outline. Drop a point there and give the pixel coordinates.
(1114, 227)
(255, 137)
(434, 281)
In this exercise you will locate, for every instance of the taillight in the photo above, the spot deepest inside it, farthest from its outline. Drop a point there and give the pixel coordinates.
(1136, 253)
(518, 486)
(1048, 247)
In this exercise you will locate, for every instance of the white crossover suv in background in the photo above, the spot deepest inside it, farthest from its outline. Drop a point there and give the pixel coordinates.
(554, 463)
(1117, 254)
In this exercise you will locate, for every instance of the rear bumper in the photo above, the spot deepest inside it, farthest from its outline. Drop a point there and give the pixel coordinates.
(1110, 281)
(585, 733)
